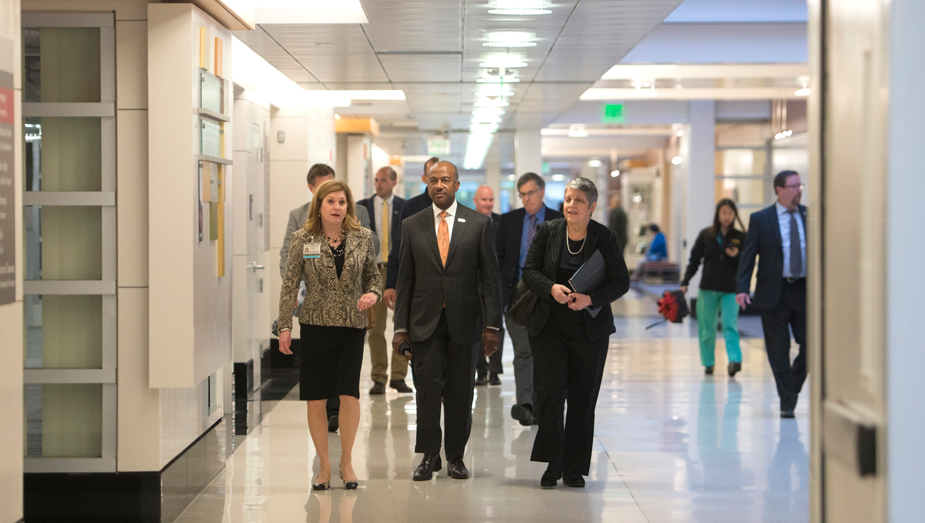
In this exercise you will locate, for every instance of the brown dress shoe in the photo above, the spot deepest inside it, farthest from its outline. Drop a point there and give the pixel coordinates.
(458, 470)
(378, 388)
(400, 386)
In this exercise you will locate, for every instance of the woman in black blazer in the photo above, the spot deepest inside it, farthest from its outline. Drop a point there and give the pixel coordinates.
(569, 346)
(720, 249)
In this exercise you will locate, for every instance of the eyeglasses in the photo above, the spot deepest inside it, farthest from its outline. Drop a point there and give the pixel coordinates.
(525, 195)
(794, 186)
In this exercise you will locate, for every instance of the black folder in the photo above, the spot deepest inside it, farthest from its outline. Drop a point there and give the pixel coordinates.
(591, 276)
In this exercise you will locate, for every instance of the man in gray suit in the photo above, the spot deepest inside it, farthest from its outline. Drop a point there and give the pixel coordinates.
(318, 174)
(448, 280)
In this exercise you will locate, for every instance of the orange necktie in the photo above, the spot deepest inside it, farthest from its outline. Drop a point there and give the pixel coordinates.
(443, 237)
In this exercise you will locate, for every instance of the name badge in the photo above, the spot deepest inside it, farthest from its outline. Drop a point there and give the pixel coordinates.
(311, 251)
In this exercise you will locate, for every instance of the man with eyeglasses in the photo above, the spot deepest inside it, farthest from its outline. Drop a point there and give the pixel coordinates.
(515, 234)
(777, 235)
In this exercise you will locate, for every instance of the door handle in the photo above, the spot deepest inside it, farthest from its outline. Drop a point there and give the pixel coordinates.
(254, 267)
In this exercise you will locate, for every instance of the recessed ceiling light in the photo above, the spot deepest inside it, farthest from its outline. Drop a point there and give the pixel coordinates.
(805, 91)
(558, 177)
(677, 160)
(503, 61)
(614, 174)
(519, 7)
(594, 163)
(510, 39)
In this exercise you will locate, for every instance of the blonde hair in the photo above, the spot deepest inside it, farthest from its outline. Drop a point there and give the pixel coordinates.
(313, 223)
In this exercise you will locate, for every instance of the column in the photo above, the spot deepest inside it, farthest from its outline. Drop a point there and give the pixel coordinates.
(528, 156)
(698, 156)
(493, 172)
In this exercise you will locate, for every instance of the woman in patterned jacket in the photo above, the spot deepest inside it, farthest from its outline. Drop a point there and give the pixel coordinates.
(336, 258)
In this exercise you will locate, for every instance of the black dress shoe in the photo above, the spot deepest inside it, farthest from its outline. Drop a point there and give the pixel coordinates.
(349, 485)
(378, 388)
(430, 464)
(332, 423)
(481, 380)
(734, 367)
(708, 370)
(551, 477)
(787, 414)
(457, 469)
(523, 413)
(574, 480)
(493, 379)
(400, 386)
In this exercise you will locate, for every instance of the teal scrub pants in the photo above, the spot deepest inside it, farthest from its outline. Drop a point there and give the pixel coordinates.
(709, 305)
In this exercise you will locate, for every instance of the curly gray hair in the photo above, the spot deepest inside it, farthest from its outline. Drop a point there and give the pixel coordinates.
(586, 186)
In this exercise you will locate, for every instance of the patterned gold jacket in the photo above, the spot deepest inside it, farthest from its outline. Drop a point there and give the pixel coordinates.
(329, 301)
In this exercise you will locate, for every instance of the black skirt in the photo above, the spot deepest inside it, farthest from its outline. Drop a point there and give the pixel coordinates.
(331, 358)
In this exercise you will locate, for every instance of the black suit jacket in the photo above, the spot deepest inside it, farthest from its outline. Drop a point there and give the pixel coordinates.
(397, 205)
(764, 240)
(411, 207)
(468, 286)
(542, 266)
(507, 240)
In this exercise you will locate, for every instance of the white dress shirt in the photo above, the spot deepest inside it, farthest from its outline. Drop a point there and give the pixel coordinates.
(783, 220)
(377, 207)
(450, 218)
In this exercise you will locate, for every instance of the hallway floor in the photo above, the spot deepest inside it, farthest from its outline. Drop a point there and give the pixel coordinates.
(672, 445)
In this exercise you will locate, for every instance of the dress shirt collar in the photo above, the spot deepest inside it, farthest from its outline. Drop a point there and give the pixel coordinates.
(379, 200)
(540, 215)
(451, 210)
(783, 210)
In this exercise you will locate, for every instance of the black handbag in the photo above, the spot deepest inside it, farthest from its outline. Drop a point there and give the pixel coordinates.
(523, 301)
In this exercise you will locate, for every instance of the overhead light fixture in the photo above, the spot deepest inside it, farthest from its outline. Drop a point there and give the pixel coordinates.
(614, 174)
(488, 111)
(489, 102)
(577, 131)
(510, 39)
(519, 7)
(476, 148)
(679, 133)
(503, 61)
(805, 91)
(494, 90)
(783, 134)
(677, 160)
(594, 163)
(492, 79)
(558, 177)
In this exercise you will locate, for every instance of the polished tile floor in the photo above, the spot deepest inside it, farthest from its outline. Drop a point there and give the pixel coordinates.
(672, 445)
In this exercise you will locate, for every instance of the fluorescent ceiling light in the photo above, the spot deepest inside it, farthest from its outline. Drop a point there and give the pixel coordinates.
(519, 7)
(503, 61)
(510, 39)
(805, 91)
(310, 12)
(677, 160)
(498, 80)
(380, 95)
(488, 102)
(494, 90)
(614, 174)
(594, 163)
(488, 111)
(558, 177)
(577, 131)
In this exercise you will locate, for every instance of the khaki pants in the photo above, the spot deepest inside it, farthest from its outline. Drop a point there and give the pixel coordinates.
(380, 348)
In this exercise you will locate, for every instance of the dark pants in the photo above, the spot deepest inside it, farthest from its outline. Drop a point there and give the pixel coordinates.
(443, 366)
(491, 364)
(564, 368)
(790, 314)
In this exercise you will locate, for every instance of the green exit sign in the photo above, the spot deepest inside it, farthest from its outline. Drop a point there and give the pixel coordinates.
(613, 113)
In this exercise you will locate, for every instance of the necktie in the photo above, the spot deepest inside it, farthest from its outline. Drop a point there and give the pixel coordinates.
(796, 251)
(385, 230)
(443, 237)
(531, 230)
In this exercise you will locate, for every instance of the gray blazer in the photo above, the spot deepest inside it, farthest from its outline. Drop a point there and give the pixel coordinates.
(469, 286)
(297, 218)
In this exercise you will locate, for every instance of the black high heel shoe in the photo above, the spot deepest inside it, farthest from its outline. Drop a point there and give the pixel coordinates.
(349, 485)
(321, 486)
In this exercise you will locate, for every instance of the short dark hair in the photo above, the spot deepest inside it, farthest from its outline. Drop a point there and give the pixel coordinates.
(318, 170)
(780, 179)
(431, 162)
(531, 177)
(654, 228)
(392, 174)
(451, 164)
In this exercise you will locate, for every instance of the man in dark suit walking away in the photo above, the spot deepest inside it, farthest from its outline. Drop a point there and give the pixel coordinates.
(384, 212)
(488, 369)
(412, 207)
(777, 235)
(515, 235)
(448, 299)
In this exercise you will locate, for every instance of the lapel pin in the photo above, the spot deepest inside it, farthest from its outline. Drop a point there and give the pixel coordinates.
(461, 220)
